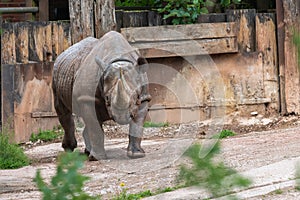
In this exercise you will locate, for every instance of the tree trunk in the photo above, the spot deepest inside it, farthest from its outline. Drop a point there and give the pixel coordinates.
(91, 18)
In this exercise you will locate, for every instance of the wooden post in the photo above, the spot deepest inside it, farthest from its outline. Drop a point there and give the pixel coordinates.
(266, 44)
(105, 19)
(81, 19)
(21, 34)
(292, 12)
(91, 18)
(281, 52)
(246, 28)
(44, 10)
(8, 51)
(288, 12)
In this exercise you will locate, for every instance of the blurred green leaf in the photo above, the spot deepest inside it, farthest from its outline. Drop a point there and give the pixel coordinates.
(215, 177)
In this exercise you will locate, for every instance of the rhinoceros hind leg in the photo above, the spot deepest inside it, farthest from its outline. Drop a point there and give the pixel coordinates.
(66, 120)
(134, 149)
(69, 142)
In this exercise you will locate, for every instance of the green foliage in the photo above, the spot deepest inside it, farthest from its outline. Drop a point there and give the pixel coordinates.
(185, 11)
(278, 191)
(167, 189)
(298, 176)
(11, 155)
(125, 196)
(152, 124)
(135, 3)
(229, 3)
(296, 40)
(67, 183)
(217, 178)
(48, 135)
(225, 134)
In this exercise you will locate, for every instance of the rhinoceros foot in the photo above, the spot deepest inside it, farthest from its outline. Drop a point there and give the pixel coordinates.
(136, 154)
(134, 149)
(93, 158)
(69, 146)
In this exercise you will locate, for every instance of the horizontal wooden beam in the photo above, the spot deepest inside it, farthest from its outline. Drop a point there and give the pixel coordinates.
(180, 32)
(43, 114)
(183, 40)
(187, 47)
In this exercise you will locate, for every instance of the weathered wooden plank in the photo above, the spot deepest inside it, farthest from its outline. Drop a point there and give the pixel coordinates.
(55, 40)
(245, 20)
(212, 18)
(60, 37)
(119, 20)
(43, 114)
(187, 47)
(105, 19)
(8, 51)
(266, 43)
(65, 37)
(154, 19)
(21, 33)
(291, 71)
(281, 52)
(76, 27)
(179, 32)
(47, 48)
(7, 96)
(135, 19)
(91, 18)
(87, 18)
(35, 54)
(32, 110)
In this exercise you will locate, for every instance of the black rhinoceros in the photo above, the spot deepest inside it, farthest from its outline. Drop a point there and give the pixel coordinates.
(99, 80)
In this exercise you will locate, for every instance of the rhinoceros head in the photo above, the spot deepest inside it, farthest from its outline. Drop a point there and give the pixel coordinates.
(122, 88)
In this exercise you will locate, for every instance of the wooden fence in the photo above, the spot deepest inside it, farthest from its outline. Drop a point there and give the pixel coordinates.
(244, 49)
(28, 50)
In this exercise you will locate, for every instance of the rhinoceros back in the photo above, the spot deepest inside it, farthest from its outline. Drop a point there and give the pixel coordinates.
(66, 66)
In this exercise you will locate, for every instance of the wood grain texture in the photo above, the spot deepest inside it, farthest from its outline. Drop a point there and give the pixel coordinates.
(183, 40)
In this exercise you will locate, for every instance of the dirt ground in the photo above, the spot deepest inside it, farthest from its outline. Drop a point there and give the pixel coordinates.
(258, 142)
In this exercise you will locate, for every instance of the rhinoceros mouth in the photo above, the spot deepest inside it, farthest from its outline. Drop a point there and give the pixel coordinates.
(121, 116)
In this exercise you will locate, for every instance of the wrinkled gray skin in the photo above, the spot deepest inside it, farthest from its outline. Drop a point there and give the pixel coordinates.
(99, 80)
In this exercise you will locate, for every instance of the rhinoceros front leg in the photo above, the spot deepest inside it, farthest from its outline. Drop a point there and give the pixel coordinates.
(93, 134)
(134, 149)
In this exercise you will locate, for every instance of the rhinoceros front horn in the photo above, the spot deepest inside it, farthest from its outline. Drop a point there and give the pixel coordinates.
(121, 98)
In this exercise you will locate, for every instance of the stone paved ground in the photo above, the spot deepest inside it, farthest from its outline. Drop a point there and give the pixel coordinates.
(244, 152)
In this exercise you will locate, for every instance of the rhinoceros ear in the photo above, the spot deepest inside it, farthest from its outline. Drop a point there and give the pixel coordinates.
(101, 64)
(142, 64)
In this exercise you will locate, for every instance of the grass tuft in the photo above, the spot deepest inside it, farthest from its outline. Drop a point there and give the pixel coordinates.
(48, 135)
(11, 155)
(148, 124)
